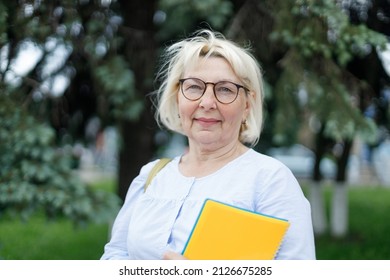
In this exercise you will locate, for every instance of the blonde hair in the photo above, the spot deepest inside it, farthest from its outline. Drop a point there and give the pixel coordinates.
(187, 53)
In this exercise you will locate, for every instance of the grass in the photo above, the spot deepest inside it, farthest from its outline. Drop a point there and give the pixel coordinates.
(39, 239)
(42, 240)
(369, 227)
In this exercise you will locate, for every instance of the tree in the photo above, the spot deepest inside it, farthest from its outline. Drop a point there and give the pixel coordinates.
(106, 54)
(305, 48)
(35, 175)
(111, 57)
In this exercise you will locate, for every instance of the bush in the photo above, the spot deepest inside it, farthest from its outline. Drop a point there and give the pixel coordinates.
(39, 238)
(34, 176)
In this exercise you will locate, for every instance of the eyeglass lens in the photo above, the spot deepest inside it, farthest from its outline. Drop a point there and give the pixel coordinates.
(224, 91)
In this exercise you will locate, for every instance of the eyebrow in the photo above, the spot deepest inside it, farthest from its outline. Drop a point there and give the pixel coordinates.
(222, 80)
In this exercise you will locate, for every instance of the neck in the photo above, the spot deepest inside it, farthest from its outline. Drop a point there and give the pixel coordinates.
(201, 161)
(205, 153)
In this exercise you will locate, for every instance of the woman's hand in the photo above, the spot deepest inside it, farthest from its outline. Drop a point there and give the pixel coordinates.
(169, 255)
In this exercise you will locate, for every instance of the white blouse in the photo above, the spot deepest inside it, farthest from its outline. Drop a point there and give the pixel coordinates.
(162, 218)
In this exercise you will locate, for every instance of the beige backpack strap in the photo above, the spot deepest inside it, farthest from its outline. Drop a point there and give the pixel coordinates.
(159, 165)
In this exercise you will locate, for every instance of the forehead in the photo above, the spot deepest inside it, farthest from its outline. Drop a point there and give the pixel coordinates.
(210, 69)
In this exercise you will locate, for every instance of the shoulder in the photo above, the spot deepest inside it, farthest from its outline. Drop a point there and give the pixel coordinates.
(137, 185)
(269, 173)
(150, 170)
(146, 169)
(261, 162)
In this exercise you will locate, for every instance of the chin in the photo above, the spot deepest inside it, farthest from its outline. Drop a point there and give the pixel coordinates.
(206, 137)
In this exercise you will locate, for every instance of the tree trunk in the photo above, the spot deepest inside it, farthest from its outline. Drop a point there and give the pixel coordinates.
(317, 199)
(339, 205)
(135, 151)
(339, 210)
(342, 161)
(137, 137)
(318, 208)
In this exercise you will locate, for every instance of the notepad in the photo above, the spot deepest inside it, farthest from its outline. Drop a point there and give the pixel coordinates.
(224, 232)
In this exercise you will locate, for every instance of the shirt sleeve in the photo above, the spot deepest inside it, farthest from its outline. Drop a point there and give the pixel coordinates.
(281, 196)
(116, 248)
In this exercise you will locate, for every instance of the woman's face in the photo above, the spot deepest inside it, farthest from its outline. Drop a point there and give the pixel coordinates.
(207, 121)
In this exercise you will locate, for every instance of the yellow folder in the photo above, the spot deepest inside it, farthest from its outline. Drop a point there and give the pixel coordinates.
(225, 232)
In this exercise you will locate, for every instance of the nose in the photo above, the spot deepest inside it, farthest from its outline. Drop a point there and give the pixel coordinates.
(208, 100)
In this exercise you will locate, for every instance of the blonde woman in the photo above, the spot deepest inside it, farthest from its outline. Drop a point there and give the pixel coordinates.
(212, 93)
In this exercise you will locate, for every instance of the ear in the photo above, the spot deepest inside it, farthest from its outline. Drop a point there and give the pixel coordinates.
(248, 106)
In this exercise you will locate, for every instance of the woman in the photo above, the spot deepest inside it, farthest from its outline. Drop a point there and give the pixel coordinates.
(211, 93)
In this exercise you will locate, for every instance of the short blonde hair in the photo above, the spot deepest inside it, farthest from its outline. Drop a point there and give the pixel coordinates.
(187, 53)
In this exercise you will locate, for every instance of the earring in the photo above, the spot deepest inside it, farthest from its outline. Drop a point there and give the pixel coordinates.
(244, 126)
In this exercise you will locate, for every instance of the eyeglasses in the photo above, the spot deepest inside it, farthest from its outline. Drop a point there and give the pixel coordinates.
(225, 92)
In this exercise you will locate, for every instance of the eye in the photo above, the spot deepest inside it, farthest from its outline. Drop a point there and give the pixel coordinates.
(194, 87)
(226, 88)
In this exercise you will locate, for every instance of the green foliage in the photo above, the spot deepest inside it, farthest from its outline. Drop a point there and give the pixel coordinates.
(321, 41)
(322, 28)
(90, 34)
(117, 82)
(287, 111)
(316, 36)
(181, 15)
(36, 176)
(113, 81)
(3, 19)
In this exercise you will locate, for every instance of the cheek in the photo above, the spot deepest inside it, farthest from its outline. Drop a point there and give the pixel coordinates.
(235, 116)
(185, 107)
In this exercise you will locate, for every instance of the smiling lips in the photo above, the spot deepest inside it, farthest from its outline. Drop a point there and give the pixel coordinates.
(207, 121)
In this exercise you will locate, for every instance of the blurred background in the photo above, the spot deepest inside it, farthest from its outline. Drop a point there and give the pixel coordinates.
(77, 123)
